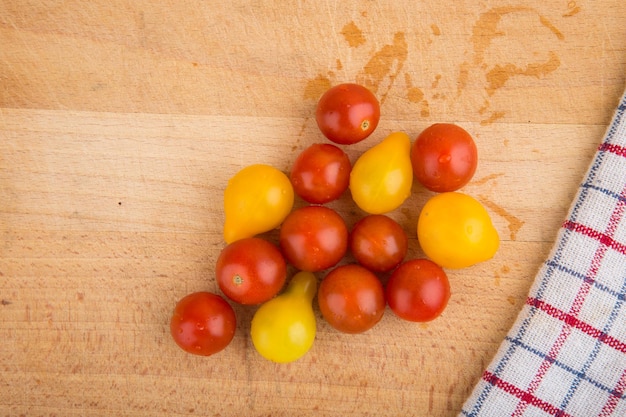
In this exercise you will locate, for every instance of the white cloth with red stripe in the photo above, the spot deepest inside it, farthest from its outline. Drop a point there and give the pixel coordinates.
(566, 352)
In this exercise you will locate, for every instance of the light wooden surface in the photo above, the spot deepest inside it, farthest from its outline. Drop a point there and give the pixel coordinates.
(120, 123)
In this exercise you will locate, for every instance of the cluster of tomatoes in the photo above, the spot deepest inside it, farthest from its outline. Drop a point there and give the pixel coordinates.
(454, 231)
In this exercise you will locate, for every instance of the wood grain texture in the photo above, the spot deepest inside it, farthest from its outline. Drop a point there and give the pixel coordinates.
(120, 123)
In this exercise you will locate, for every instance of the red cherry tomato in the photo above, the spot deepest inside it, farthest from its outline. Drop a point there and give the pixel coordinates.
(251, 270)
(313, 238)
(347, 113)
(351, 298)
(203, 323)
(321, 173)
(444, 157)
(418, 290)
(378, 243)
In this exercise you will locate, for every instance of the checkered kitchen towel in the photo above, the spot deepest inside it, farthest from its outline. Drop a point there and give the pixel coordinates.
(566, 353)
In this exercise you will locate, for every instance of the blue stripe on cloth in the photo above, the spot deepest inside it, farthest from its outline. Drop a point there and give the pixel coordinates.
(604, 191)
(562, 365)
(596, 349)
(620, 296)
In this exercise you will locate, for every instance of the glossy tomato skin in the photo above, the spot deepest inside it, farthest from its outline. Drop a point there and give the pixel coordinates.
(444, 157)
(347, 113)
(313, 238)
(256, 200)
(321, 173)
(378, 243)
(455, 231)
(382, 177)
(418, 290)
(283, 329)
(203, 323)
(251, 270)
(351, 298)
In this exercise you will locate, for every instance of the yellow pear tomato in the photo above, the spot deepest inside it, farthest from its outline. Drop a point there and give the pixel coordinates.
(256, 199)
(283, 329)
(382, 177)
(455, 231)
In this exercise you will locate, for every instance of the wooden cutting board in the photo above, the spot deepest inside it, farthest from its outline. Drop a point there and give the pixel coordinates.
(120, 123)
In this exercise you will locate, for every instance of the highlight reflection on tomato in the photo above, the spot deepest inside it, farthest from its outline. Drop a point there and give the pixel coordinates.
(381, 178)
(351, 298)
(378, 242)
(251, 270)
(321, 173)
(444, 157)
(203, 323)
(456, 231)
(313, 238)
(256, 200)
(418, 290)
(283, 329)
(347, 113)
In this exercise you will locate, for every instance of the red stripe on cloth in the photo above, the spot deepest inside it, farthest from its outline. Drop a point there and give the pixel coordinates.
(606, 240)
(603, 238)
(555, 349)
(616, 394)
(523, 395)
(575, 322)
(613, 148)
(570, 318)
(543, 369)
